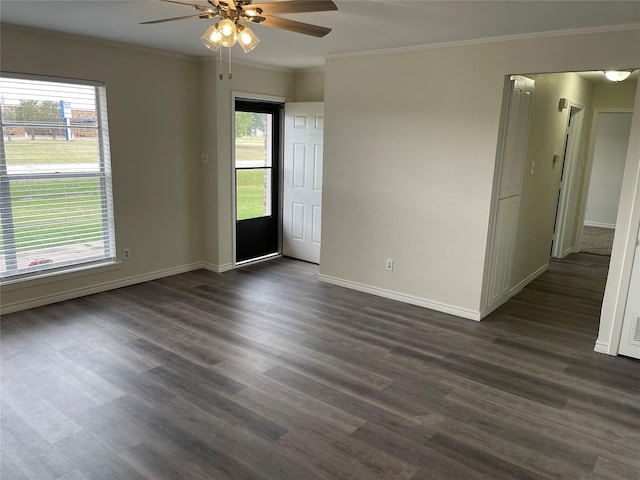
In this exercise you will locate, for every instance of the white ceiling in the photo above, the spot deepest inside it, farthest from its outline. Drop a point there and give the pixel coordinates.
(358, 25)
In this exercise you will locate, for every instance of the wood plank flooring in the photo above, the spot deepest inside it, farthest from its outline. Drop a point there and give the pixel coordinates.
(265, 373)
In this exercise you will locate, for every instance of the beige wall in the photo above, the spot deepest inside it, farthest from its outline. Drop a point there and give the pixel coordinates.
(540, 191)
(409, 163)
(155, 149)
(615, 95)
(309, 86)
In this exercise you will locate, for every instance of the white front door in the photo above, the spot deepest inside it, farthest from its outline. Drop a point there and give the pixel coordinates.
(630, 339)
(302, 180)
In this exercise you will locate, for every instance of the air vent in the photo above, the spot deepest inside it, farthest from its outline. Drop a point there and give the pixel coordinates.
(636, 329)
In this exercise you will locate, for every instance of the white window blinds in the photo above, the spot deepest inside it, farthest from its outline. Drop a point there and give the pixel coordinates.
(56, 210)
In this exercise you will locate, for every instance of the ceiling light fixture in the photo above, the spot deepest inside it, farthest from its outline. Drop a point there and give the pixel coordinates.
(235, 14)
(226, 33)
(617, 75)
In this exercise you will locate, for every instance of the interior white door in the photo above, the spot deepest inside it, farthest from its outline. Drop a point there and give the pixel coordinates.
(630, 338)
(567, 211)
(512, 166)
(516, 136)
(302, 180)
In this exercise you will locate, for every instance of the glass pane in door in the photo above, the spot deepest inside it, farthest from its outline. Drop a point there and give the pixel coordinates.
(253, 140)
(253, 149)
(253, 193)
(257, 154)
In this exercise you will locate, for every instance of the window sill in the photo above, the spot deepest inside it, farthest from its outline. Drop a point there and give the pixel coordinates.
(80, 271)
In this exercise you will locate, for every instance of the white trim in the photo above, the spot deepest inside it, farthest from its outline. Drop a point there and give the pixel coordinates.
(602, 347)
(218, 268)
(401, 297)
(254, 96)
(264, 258)
(481, 41)
(51, 78)
(513, 291)
(611, 226)
(98, 288)
(45, 277)
(497, 303)
(520, 286)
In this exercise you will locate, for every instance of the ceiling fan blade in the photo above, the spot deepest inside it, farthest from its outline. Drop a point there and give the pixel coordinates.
(181, 3)
(228, 3)
(293, 26)
(197, 15)
(293, 6)
(195, 6)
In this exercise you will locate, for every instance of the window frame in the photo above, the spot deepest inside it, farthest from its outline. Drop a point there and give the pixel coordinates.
(103, 174)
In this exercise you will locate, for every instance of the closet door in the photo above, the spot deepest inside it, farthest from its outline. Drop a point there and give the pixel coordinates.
(507, 211)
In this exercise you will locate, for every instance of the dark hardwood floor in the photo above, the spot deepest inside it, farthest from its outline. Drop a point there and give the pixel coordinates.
(265, 373)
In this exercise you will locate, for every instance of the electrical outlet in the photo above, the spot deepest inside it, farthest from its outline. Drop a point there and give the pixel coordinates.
(204, 158)
(389, 264)
(126, 253)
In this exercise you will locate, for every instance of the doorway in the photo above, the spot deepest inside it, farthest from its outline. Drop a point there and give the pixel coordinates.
(256, 174)
(536, 226)
(610, 139)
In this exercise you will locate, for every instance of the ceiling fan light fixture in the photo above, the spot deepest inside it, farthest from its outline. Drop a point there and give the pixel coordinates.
(247, 39)
(211, 38)
(234, 14)
(226, 27)
(617, 75)
(228, 32)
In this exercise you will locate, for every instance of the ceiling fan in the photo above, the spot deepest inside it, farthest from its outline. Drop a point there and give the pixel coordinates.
(235, 14)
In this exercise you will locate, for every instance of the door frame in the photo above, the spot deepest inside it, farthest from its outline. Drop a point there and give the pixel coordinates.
(261, 98)
(624, 244)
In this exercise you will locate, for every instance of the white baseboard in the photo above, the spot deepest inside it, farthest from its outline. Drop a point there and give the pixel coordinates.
(520, 286)
(611, 226)
(98, 288)
(401, 297)
(514, 290)
(497, 303)
(218, 268)
(602, 347)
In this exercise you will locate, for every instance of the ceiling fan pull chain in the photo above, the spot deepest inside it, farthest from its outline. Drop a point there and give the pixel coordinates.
(220, 64)
(230, 74)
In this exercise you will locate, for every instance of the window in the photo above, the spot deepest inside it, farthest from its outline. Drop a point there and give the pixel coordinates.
(56, 207)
